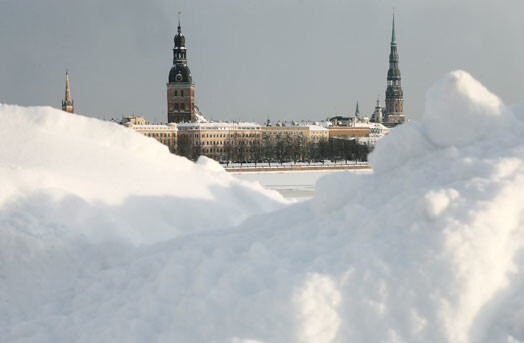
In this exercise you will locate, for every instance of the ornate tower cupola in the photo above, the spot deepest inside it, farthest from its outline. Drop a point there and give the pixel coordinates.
(394, 95)
(180, 88)
(67, 103)
(377, 115)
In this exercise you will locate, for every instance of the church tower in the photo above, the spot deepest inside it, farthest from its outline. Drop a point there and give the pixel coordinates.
(180, 88)
(67, 103)
(394, 112)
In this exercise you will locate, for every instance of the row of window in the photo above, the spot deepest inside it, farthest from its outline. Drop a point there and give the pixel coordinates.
(222, 142)
(181, 93)
(219, 128)
(159, 134)
(223, 135)
(211, 150)
(286, 133)
(207, 135)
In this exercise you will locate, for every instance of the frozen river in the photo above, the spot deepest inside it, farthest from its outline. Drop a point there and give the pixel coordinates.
(291, 184)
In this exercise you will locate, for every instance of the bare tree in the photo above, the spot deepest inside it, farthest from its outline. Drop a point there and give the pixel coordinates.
(268, 146)
(185, 146)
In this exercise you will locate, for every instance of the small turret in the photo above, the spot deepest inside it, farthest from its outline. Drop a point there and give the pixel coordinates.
(377, 115)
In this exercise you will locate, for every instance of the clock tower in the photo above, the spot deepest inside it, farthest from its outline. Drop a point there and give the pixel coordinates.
(180, 88)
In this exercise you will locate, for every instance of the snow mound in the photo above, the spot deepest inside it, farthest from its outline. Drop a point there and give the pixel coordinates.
(460, 110)
(429, 248)
(103, 179)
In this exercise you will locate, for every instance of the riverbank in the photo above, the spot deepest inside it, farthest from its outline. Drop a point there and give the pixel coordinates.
(295, 167)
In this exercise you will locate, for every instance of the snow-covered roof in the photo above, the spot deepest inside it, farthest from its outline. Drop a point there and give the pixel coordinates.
(154, 127)
(317, 127)
(371, 125)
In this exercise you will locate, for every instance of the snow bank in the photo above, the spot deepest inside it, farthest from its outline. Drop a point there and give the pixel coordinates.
(429, 248)
(104, 180)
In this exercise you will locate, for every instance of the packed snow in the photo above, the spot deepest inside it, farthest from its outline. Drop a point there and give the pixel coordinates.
(83, 175)
(427, 248)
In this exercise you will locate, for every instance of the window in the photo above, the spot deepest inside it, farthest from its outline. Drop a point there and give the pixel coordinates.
(181, 93)
(176, 93)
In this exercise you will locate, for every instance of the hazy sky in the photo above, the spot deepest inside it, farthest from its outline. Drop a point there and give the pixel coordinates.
(290, 59)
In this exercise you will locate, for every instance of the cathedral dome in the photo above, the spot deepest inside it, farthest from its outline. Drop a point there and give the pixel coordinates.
(180, 73)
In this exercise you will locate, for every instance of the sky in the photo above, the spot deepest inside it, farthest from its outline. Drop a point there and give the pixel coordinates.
(250, 59)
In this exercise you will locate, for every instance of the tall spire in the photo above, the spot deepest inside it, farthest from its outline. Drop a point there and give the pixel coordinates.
(393, 37)
(179, 26)
(357, 111)
(394, 112)
(67, 89)
(67, 103)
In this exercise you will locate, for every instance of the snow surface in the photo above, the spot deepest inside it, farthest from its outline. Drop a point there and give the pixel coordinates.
(98, 178)
(296, 185)
(428, 248)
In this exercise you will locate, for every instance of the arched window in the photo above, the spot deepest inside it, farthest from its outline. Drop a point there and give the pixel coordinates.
(176, 107)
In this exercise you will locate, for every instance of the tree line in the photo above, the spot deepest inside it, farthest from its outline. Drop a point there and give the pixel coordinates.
(278, 149)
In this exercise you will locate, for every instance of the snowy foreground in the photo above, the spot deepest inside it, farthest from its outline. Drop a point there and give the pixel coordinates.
(106, 237)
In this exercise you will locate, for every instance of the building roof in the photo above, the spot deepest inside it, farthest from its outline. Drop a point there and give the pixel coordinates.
(218, 125)
(153, 127)
(317, 127)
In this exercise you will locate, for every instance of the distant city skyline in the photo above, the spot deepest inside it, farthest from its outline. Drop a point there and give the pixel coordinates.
(291, 60)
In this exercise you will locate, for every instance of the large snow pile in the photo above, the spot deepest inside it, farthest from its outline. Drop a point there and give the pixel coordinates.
(429, 248)
(100, 179)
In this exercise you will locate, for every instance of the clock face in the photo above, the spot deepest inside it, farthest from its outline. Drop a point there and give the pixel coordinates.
(178, 77)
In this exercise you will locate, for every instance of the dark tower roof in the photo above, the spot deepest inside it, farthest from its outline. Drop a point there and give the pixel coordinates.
(394, 70)
(394, 88)
(394, 112)
(180, 40)
(180, 72)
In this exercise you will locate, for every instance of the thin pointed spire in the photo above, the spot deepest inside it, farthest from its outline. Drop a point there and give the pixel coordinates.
(393, 37)
(179, 26)
(67, 89)
(67, 103)
(357, 111)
